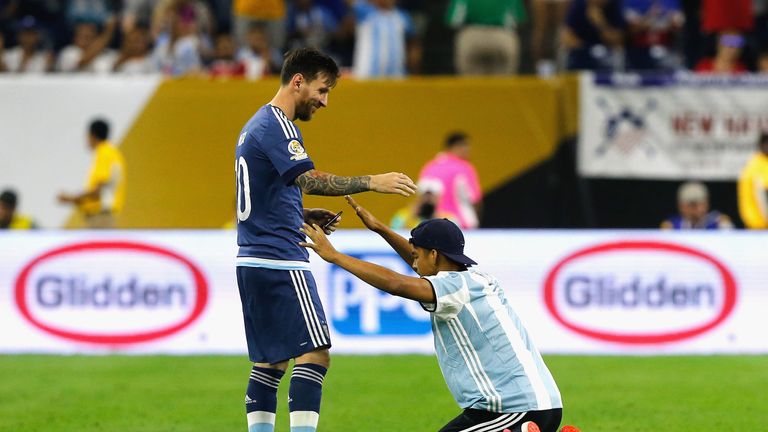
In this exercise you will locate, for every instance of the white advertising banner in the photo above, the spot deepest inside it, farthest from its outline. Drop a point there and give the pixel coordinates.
(680, 126)
(589, 292)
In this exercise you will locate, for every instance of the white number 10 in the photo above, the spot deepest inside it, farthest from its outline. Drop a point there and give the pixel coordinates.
(243, 190)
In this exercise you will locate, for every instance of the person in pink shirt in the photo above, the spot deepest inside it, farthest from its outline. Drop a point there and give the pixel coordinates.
(461, 196)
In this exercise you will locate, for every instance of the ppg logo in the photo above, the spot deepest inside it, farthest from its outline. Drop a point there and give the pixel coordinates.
(360, 309)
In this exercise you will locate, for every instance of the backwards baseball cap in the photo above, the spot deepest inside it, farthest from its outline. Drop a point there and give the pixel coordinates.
(692, 192)
(443, 236)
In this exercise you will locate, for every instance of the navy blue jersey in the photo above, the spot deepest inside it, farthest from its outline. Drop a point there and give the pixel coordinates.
(270, 155)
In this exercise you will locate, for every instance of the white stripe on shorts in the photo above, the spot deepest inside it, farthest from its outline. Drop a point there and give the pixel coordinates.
(313, 314)
(312, 332)
(497, 424)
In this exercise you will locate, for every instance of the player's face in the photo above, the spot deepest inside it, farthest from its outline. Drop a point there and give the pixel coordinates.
(313, 96)
(424, 261)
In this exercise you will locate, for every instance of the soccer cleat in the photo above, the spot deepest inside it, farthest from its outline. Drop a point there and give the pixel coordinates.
(529, 426)
(569, 428)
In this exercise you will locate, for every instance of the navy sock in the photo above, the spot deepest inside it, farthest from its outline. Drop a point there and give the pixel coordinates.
(261, 399)
(304, 396)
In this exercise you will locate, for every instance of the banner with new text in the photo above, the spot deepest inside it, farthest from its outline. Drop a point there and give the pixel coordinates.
(680, 126)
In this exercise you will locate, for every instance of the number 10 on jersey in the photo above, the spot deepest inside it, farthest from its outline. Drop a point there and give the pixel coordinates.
(243, 190)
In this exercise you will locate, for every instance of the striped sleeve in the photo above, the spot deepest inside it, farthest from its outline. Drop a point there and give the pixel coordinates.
(284, 147)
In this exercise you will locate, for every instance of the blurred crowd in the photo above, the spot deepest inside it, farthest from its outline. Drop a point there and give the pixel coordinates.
(383, 38)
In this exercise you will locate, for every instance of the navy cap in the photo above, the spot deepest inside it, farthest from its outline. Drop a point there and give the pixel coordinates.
(443, 236)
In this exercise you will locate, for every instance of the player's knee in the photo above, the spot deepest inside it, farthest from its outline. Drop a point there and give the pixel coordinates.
(320, 357)
(282, 366)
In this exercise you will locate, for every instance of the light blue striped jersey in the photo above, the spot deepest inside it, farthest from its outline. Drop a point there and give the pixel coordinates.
(380, 41)
(487, 357)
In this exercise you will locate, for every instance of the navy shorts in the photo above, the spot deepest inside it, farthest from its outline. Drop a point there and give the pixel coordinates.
(476, 421)
(282, 312)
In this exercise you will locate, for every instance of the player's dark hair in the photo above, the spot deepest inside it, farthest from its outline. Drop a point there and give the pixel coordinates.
(308, 62)
(99, 128)
(455, 138)
(9, 198)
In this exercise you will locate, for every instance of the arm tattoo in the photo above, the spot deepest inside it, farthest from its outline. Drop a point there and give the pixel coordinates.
(315, 182)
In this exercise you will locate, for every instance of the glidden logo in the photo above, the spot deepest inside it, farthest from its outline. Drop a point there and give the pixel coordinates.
(640, 292)
(111, 292)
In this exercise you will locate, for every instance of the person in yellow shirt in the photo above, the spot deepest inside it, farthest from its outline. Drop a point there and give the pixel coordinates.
(753, 188)
(104, 193)
(9, 219)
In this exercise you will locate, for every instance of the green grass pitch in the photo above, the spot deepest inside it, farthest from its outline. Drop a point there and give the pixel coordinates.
(377, 393)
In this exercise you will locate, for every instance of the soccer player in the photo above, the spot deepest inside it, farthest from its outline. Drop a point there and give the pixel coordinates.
(283, 316)
(488, 360)
(104, 192)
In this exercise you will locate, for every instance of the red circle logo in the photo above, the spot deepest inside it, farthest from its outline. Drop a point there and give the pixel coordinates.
(106, 257)
(628, 254)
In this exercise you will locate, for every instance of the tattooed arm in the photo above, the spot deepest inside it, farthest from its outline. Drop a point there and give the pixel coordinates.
(314, 182)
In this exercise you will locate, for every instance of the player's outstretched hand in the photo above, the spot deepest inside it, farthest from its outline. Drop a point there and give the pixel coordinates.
(321, 216)
(368, 219)
(393, 183)
(320, 243)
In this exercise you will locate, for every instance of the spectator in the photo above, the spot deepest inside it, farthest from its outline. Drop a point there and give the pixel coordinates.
(342, 45)
(224, 64)
(258, 56)
(385, 45)
(104, 193)
(88, 51)
(136, 13)
(594, 35)
(51, 19)
(180, 50)
(760, 10)
(310, 25)
(762, 61)
(9, 219)
(694, 213)
(28, 56)
(726, 60)
(421, 209)
(221, 15)
(548, 16)
(267, 14)
(167, 13)
(486, 43)
(134, 58)
(92, 11)
(654, 27)
(7, 12)
(461, 199)
(753, 188)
